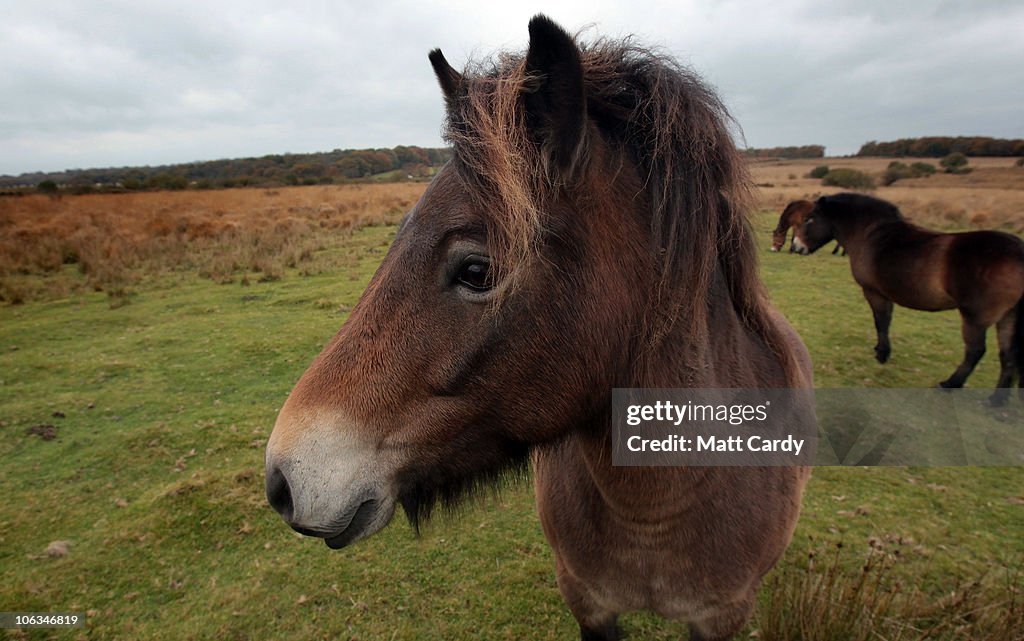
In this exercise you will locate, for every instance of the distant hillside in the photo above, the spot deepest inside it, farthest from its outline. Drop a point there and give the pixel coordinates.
(939, 146)
(273, 170)
(806, 151)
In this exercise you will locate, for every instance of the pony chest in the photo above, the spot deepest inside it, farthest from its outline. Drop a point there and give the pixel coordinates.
(649, 572)
(663, 566)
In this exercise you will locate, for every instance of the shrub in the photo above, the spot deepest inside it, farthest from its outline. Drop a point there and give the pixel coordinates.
(955, 163)
(895, 171)
(848, 179)
(177, 182)
(167, 181)
(818, 172)
(898, 171)
(47, 187)
(1020, 162)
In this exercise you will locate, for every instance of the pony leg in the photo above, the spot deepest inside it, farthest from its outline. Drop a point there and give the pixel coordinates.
(596, 624)
(724, 625)
(605, 632)
(1005, 329)
(974, 349)
(881, 307)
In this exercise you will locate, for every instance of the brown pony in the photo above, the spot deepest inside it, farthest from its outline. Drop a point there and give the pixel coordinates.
(792, 217)
(979, 273)
(590, 233)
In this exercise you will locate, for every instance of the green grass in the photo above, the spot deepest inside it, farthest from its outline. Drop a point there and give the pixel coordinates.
(155, 477)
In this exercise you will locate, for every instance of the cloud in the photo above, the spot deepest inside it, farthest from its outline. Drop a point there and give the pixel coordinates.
(93, 83)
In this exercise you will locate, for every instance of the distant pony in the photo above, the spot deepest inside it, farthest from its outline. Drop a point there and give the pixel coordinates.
(590, 233)
(792, 217)
(979, 273)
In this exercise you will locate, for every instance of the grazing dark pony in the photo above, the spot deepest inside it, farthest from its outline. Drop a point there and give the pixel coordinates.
(792, 217)
(590, 233)
(979, 273)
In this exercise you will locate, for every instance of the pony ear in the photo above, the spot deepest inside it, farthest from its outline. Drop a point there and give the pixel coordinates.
(556, 105)
(447, 77)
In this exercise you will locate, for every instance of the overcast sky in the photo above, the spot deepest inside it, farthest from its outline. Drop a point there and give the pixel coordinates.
(86, 83)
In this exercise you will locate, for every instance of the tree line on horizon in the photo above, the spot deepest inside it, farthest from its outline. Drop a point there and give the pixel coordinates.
(338, 166)
(942, 146)
(788, 153)
(411, 162)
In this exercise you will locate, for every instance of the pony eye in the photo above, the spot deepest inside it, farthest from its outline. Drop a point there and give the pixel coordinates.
(475, 274)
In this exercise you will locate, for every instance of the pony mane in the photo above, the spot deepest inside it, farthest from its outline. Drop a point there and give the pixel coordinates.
(654, 114)
(863, 204)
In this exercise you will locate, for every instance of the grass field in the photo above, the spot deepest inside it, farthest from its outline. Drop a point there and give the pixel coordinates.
(133, 450)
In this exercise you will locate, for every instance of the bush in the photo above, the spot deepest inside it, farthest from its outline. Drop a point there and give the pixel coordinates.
(47, 187)
(895, 171)
(1020, 162)
(955, 163)
(818, 172)
(848, 179)
(898, 171)
(167, 181)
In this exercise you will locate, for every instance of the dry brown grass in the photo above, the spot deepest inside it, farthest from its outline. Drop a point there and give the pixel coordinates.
(832, 599)
(990, 197)
(52, 247)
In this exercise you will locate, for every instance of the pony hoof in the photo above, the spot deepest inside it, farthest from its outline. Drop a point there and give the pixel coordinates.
(948, 385)
(998, 399)
(882, 355)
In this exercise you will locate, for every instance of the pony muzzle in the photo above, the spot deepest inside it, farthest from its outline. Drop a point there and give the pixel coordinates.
(325, 484)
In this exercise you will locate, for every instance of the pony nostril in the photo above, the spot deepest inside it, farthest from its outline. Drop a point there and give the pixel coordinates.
(279, 494)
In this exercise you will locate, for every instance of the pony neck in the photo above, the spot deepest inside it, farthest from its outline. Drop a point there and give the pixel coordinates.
(677, 361)
(852, 231)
